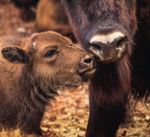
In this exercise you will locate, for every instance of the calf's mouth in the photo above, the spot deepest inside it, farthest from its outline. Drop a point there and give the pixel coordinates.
(87, 67)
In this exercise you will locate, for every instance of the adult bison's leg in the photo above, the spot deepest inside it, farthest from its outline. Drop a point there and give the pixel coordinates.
(108, 100)
(105, 119)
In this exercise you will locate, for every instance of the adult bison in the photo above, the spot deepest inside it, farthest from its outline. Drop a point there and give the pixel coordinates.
(32, 70)
(107, 29)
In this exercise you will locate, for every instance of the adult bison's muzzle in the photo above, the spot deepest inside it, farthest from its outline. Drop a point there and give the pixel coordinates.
(108, 47)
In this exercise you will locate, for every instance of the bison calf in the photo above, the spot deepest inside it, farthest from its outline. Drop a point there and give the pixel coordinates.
(32, 70)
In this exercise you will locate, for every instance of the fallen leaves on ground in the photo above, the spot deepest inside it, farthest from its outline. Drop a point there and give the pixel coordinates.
(67, 115)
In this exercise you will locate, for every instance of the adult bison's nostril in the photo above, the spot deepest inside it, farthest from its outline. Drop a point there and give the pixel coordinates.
(120, 42)
(97, 49)
(86, 67)
(97, 45)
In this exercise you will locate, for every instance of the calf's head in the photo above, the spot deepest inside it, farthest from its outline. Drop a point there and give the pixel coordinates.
(51, 60)
(104, 27)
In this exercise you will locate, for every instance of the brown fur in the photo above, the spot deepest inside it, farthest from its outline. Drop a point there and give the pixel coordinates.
(32, 70)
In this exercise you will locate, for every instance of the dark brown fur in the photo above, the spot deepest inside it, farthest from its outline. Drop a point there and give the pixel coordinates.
(32, 70)
(141, 56)
(112, 82)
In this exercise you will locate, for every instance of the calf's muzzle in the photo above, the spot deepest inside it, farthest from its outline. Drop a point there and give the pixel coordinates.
(86, 67)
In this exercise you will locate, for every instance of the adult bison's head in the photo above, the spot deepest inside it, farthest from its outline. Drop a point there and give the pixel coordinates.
(104, 27)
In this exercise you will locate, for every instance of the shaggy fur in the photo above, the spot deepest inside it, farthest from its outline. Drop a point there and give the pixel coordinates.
(112, 82)
(32, 70)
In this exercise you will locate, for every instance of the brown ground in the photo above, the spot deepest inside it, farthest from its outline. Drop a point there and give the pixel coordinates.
(68, 114)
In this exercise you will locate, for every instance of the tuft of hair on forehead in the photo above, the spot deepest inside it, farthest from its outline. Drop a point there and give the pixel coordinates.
(49, 35)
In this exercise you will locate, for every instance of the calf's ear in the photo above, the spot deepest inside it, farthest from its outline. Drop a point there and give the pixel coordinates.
(15, 55)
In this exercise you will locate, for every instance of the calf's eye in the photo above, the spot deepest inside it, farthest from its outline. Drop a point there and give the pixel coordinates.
(50, 53)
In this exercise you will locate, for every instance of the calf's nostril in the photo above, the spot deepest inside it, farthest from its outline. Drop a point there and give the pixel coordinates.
(88, 60)
(86, 67)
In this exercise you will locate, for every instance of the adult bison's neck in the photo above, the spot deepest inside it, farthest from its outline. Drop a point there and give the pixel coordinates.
(108, 98)
(111, 82)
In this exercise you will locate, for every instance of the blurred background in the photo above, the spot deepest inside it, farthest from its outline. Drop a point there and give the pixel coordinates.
(67, 115)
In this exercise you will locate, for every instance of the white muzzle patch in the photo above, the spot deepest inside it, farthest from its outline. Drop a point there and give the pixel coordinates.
(106, 38)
